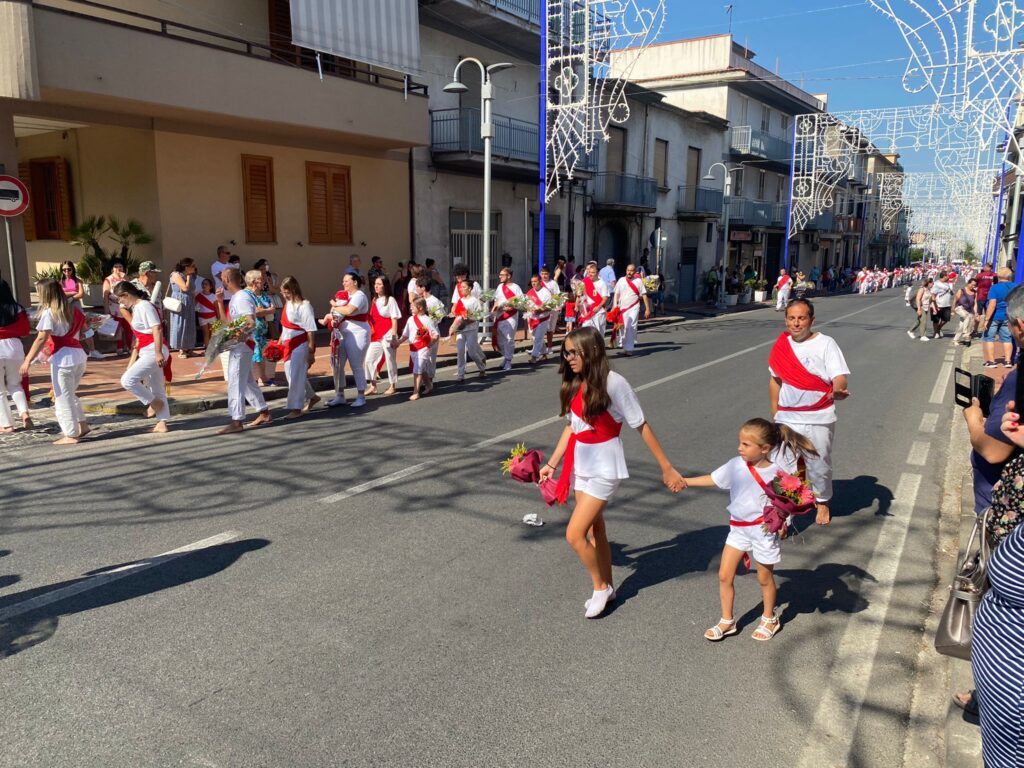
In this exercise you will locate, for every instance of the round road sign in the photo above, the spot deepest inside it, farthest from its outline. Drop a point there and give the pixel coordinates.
(13, 196)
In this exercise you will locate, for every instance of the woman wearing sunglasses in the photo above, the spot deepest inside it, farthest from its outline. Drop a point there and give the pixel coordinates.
(596, 402)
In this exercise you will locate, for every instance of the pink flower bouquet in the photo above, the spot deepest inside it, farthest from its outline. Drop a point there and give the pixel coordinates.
(788, 496)
(523, 464)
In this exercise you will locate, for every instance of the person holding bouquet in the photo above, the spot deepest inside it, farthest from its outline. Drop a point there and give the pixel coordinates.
(538, 318)
(596, 403)
(349, 321)
(145, 377)
(630, 292)
(62, 324)
(384, 317)
(591, 301)
(506, 323)
(298, 337)
(242, 387)
(13, 325)
(556, 291)
(467, 312)
(436, 311)
(764, 450)
(421, 333)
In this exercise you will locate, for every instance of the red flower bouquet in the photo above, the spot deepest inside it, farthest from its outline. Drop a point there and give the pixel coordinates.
(524, 465)
(788, 496)
(273, 352)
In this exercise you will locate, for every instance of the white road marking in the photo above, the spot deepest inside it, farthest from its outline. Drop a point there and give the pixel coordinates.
(941, 384)
(102, 579)
(929, 422)
(918, 456)
(831, 734)
(408, 471)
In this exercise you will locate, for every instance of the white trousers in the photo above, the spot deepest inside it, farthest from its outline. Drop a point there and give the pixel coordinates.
(421, 362)
(242, 387)
(376, 351)
(10, 385)
(296, 372)
(553, 322)
(597, 321)
(783, 297)
(468, 345)
(539, 340)
(630, 322)
(505, 332)
(66, 405)
(145, 380)
(819, 470)
(355, 339)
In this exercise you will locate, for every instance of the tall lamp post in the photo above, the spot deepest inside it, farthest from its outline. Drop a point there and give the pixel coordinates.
(723, 263)
(487, 134)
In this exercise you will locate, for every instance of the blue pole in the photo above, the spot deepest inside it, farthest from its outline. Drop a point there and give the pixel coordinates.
(789, 209)
(999, 215)
(542, 125)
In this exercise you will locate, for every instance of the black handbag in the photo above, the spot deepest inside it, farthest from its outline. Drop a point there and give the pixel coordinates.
(953, 637)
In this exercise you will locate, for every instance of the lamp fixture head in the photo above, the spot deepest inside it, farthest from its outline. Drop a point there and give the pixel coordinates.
(456, 87)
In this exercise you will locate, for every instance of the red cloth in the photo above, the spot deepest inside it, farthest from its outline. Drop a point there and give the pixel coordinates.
(380, 326)
(605, 428)
(147, 339)
(295, 341)
(535, 321)
(508, 293)
(787, 366)
(206, 307)
(422, 335)
(17, 329)
(596, 301)
(70, 339)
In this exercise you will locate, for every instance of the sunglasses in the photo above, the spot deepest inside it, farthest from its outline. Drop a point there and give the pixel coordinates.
(570, 354)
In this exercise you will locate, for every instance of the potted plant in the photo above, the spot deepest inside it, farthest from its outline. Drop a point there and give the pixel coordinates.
(94, 265)
(760, 290)
(747, 291)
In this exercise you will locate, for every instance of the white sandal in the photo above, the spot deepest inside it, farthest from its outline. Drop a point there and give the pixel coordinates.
(715, 633)
(767, 629)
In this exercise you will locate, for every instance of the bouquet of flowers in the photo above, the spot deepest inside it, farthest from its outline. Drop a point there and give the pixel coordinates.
(520, 304)
(554, 304)
(487, 297)
(651, 283)
(524, 464)
(437, 314)
(788, 496)
(273, 351)
(578, 288)
(224, 336)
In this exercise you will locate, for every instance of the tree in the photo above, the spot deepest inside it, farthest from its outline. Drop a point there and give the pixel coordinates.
(94, 265)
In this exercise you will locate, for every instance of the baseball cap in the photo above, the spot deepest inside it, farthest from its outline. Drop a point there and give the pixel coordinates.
(148, 266)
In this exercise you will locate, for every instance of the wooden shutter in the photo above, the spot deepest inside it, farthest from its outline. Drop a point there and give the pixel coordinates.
(29, 218)
(661, 162)
(258, 199)
(65, 212)
(280, 28)
(329, 203)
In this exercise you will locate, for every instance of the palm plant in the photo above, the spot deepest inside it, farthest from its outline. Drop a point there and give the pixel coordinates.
(95, 263)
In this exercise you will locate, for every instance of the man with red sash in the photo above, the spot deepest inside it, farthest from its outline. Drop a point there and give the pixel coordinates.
(590, 307)
(552, 286)
(464, 328)
(630, 291)
(242, 387)
(506, 319)
(808, 374)
(538, 319)
(783, 287)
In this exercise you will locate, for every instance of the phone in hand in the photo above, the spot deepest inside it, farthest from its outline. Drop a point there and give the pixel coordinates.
(967, 386)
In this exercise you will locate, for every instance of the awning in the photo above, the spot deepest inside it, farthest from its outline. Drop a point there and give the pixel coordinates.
(384, 33)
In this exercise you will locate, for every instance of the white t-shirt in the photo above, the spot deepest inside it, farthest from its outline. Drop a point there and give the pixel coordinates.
(215, 271)
(68, 357)
(362, 305)
(434, 303)
(411, 329)
(747, 500)
(821, 356)
(388, 308)
(608, 460)
(544, 295)
(601, 288)
(942, 293)
(472, 305)
(242, 305)
(624, 295)
(475, 292)
(301, 315)
(552, 286)
(499, 293)
(144, 319)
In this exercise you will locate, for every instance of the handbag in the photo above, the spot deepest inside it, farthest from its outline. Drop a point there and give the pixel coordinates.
(170, 303)
(953, 637)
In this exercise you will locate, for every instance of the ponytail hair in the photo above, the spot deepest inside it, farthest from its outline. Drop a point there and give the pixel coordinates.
(780, 436)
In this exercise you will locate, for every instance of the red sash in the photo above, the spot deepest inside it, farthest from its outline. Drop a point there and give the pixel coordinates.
(787, 366)
(295, 341)
(147, 339)
(535, 321)
(459, 310)
(380, 326)
(782, 281)
(507, 314)
(422, 340)
(17, 329)
(595, 298)
(636, 291)
(207, 307)
(605, 428)
(70, 339)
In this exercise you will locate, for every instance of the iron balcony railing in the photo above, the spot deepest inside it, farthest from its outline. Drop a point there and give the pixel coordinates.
(747, 141)
(780, 212)
(825, 222)
(693, 199)
(750, 212)
(623, 190)
(528, 10)
(458, 130)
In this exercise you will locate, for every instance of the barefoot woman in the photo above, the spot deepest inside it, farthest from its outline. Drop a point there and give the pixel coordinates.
(596, 402)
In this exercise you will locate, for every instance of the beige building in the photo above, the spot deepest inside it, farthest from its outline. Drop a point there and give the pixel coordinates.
(203, 122)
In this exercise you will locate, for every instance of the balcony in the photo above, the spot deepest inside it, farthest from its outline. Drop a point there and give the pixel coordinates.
(747, 142)
(699, 202)
(203, 78)
(528, 10)
(780, 214)
(750, 213)
(823, 222)
(625, 192)
(849, 225)
(455, 143)
(510, 25)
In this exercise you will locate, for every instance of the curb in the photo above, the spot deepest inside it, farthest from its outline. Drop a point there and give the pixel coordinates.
(192, 405)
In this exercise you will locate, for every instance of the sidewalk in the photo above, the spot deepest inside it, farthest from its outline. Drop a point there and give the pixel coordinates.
(101, 392)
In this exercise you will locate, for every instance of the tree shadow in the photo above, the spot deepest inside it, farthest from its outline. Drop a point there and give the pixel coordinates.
(829, 587)
(36, 626)
(852, 496)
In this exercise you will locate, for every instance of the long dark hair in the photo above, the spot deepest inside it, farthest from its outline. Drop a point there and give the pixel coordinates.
(9, 306)
(387, 287)
(589, 344)
(74, 270)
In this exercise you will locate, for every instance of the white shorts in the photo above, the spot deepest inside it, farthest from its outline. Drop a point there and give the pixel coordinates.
(207, 321)
(763, 546)
(599, 487)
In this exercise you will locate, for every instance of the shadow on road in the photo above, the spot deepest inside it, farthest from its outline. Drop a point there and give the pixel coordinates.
(827, 588)
(852, 496)
(24, 631)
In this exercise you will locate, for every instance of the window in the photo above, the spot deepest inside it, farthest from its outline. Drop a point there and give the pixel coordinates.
(744, 111)
(466, 240)
(766, 119)
(736, 188)
(760, 185)
(661, 163)
(616, 149)
(780, 189)
(50, 213)
(785, 125)
(693, 167)
(329, 203)
(258, 199)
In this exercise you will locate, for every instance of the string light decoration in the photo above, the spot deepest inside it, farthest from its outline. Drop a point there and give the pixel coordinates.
(583, 98)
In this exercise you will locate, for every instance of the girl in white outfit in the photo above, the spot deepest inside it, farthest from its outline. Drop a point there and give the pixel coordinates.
(384, 317)
(298, 335)
(421, 333)
(596, 402)
(349, 321)
(466, 330)
(506, 323)
(145, 377)
(590, 309)
(630, 292)
(242, 387)
(62, 324)
(13, 325)
(764, 449)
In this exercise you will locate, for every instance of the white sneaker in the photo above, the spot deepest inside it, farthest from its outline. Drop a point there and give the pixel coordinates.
(911, 334)
(460, 379)
(337, 400)
(507, 367)
(96, 355)
(359, 402)
(925, 338)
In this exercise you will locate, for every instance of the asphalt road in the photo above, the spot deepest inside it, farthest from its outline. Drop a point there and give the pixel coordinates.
(365, 593)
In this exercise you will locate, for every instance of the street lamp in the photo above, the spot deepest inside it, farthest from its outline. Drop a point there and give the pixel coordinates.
(727, 184)
(487, 134)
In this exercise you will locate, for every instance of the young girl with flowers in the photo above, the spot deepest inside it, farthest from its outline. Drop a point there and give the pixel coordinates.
(421, 333)
(764, 450)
